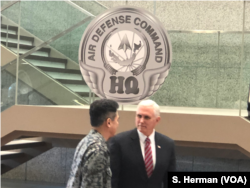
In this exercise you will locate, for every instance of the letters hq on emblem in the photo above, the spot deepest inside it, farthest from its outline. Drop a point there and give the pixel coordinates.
(125, 55)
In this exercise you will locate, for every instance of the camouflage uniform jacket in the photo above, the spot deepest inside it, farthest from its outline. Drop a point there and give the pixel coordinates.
(91, 163)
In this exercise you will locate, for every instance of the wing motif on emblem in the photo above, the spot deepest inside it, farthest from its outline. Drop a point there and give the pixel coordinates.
(94, 78)
(153, 79)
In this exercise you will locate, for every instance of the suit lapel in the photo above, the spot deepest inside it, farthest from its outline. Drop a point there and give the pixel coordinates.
(158, 151)
(136, 150)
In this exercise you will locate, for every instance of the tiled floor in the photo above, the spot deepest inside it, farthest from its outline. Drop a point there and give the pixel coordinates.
(28, 184)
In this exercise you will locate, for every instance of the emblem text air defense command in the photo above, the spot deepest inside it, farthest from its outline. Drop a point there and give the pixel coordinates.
(125, 55)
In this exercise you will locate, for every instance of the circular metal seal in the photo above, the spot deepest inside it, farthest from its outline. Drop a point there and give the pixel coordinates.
(125, 54)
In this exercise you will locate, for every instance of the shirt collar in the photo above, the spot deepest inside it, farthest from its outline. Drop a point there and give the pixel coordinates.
(98, 135)
(142, 137)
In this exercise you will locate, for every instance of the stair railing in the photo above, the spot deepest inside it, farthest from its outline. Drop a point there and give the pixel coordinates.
(8, 5)
(46, 43)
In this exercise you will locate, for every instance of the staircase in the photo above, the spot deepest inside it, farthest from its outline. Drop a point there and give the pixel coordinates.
(19, 151)
(54, 67)
(22, 150)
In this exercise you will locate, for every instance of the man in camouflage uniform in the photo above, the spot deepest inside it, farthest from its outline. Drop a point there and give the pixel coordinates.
(91, 163)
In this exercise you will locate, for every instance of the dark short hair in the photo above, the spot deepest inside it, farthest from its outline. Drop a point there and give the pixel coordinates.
(101, 110)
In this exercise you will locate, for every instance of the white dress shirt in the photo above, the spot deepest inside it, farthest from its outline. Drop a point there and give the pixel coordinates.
(142, 139)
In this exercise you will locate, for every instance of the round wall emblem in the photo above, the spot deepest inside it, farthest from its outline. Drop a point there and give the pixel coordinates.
(125, 54)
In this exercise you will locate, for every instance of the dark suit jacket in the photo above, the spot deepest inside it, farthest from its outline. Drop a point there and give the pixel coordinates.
(127, 164)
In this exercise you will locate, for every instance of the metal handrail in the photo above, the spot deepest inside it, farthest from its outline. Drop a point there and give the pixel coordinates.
(8, 5)
(79, 8)
(55, 37)
(100, 4)
(40, 41)
(90, 16)
(24, 61)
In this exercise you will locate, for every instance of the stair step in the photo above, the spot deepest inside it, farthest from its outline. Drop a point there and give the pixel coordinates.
(47, 62)
(11, 29)
(48, 69)
(63, 74)
(85, 95)
(75, 82)
(25, 48)
(14, 39)
(78, 88)
(23, 51)
(87, 98)
(11, 155)
(19, 144)
(58, 60)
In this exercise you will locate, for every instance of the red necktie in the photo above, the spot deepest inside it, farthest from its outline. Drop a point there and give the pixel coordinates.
(148, 158)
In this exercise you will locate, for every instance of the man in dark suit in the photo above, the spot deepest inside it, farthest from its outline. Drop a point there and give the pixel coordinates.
(142, 158)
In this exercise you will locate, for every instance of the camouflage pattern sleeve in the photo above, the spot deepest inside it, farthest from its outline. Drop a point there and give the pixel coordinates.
(95, 170)
(91, 164)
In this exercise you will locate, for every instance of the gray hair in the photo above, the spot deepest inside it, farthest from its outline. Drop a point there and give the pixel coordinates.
(150, 103)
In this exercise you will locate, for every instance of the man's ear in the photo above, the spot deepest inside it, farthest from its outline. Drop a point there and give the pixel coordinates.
(158, 119)
(108, 121)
